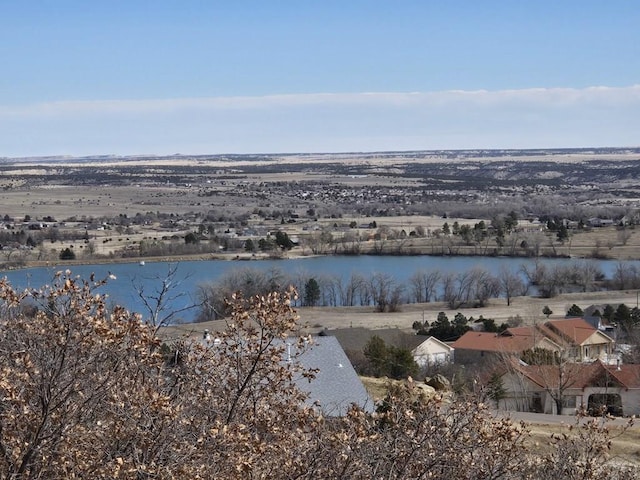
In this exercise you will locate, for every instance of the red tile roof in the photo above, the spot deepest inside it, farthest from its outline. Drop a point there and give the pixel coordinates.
(583, 375)
(575, 330)
(493, 342)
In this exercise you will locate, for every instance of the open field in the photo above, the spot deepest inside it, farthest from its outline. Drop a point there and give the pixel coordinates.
(316, 319)
(107, 208)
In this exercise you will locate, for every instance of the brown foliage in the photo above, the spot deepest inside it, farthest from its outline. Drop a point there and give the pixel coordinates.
(89, 393)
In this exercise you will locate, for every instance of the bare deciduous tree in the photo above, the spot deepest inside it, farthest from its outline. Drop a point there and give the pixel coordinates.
(510, 284)
(587, 274)
(166, 301)
(385, 291)
(76, 382)
(424, 285)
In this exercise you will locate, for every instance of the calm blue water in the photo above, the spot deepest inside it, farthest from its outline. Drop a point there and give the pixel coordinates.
(194, 273)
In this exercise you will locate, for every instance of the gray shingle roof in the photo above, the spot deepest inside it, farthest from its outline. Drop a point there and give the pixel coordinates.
(337, 384)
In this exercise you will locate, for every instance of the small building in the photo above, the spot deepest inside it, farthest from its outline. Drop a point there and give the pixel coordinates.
(597, 387)
(476, 347)
(600, 222)
(432, 352)
(574, 338)
(583, 342)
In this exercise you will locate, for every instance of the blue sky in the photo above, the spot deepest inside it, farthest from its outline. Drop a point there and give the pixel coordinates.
(161, 77)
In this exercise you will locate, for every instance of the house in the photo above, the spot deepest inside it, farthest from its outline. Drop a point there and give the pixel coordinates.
(594, 386)
(574, 338)
(355, 338)
(432, 352)
(601, 324)
(600, 222)
(475, 347)
(593, 315)
(336, 385)
(580, 339)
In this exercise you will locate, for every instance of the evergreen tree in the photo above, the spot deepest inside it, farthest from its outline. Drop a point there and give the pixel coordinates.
(495, 389)
(575, 311)
(400, 363)
(489, 325)
(67, 254)
(563, 233)
(622, 314)
(608, 313)
(283, 240)
(190, 238)
(265, 245)
(511, 221)
(460, 326)
(444, 330)
(311, 292)
(441, 328)
(376, 353)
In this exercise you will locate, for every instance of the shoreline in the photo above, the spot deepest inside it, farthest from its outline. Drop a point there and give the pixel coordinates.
(258, 257)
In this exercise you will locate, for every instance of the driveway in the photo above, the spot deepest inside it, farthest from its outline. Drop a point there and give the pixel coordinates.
(546, 419)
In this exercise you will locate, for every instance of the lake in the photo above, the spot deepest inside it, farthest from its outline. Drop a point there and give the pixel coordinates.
(191, 274)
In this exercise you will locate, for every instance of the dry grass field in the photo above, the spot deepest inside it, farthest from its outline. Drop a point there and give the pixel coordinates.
(338, 186)
(316, 319)
(85, 189)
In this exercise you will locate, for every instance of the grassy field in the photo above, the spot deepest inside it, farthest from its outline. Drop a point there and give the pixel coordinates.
(316, 319)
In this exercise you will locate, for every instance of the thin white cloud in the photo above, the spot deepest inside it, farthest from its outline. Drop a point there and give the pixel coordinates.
(567, 96)
(540, 117)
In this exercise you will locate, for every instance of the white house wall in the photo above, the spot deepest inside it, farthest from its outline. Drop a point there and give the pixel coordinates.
(432, 353)
(630, 398)
(520, 391)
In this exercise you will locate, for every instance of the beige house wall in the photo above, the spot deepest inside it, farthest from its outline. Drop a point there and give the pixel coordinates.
(432, 352)
(521, 394)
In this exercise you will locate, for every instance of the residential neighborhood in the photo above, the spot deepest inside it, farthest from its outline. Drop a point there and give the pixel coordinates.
(558, 366)
(575, 339)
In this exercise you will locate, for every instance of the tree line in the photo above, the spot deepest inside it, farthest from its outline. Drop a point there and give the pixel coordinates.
(474, 287)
